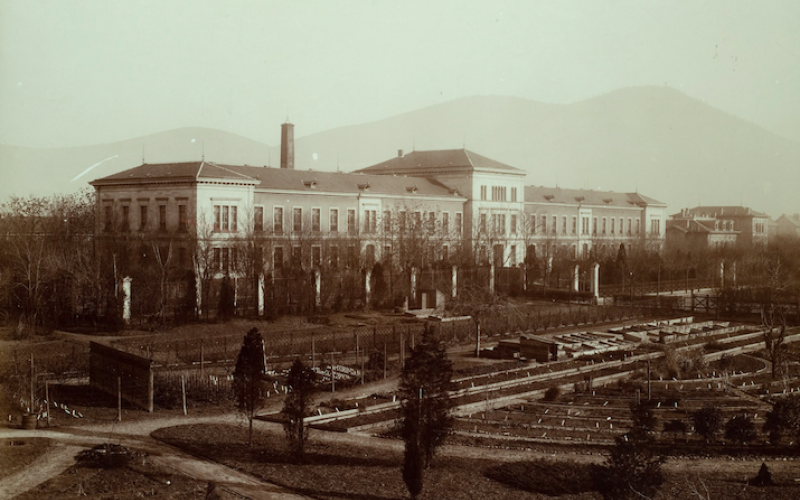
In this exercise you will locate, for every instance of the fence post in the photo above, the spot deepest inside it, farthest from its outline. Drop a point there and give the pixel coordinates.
(119, 399)
(384, 358)
(183, 393)
(313, 349)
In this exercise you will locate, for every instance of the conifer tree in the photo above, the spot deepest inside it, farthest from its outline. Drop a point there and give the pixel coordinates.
(248, 377)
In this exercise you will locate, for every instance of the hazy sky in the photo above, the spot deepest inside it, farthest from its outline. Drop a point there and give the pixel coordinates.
(81, 72)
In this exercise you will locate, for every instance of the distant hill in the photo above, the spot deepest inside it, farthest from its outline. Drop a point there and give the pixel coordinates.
(668, 145)
(47, 171)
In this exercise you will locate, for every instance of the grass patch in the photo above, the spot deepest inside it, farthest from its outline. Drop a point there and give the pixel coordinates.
(550, 477)
(17, 454)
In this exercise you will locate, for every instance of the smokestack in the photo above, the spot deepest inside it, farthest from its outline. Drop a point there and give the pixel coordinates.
(287, 145)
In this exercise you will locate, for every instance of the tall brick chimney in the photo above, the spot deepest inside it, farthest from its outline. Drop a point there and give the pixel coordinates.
(287, 145)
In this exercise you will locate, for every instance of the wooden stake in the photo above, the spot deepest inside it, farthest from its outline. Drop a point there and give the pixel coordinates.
(47, 400)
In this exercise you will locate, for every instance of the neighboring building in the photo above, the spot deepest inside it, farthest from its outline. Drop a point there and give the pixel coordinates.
(788, 225)
(717, 227)
(579, 222)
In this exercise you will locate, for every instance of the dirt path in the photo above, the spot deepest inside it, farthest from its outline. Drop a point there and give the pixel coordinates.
(136, 435)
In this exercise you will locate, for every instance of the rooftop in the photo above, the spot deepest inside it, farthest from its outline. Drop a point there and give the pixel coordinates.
(422, 162)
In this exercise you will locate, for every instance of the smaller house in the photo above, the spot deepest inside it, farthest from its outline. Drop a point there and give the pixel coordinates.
(788, 225)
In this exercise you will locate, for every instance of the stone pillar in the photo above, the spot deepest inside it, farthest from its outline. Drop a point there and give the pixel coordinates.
(260, 292)
(454, 291)
(414, 285)
(491, 277)
(317, 288)
(722, 273)
(596, 282)
(576, 278)
(126, 300)
(367, 288)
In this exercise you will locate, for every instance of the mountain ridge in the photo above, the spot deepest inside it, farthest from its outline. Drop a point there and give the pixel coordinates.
(652, 139)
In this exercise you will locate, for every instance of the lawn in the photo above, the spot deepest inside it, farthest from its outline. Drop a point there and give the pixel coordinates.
(17, 454)
(337, 471)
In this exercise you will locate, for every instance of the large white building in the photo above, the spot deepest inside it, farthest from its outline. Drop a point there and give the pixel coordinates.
(413, 210)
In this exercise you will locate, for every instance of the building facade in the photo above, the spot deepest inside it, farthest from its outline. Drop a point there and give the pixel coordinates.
(427, 208)
(717, 227)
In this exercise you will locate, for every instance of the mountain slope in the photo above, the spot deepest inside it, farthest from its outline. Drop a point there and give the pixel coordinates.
(59, 170)
(654, 139)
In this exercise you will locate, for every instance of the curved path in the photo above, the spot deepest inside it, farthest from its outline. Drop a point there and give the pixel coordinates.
(135, 435)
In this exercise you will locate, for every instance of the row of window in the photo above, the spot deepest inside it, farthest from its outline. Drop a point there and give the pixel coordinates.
(225, 258)
(370, 220)
(499, 193)
(498, 223)
(144, 218)
(608, 225)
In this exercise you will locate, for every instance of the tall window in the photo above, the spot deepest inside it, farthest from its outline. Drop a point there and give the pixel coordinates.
(483, 223)
(594, 225)
(564, 224)
(417, 221)
(370, 221)
(574, 224)
(613, 220)
(544, 224)
(513, 223)
(533, 224)
(555, 224)
(387, 221)
(604, 225)
(630, 227)
(108, 218)
(297, 219)
(182, 218)
(483, 193)
(655, 226)
(351, 221)
(333, 257)
(431, 221)
(316, 257)
(277, 220)
(297, 257)
(277, 258)
(584, 225)
(334, 220)
(315, 219)
(402, 221)
(445, 222)
(638, 226)
(162, 217)
(513, 194)
(258, 219)
(225, 218)
(143, 217)
(512, 256)
(126, 218)
(458, 222)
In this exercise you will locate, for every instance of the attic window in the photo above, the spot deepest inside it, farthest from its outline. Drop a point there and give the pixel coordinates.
(580, 199)
(310, 184)
(411, 189)
(607, 200)
(363, 187)
(549, 197)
